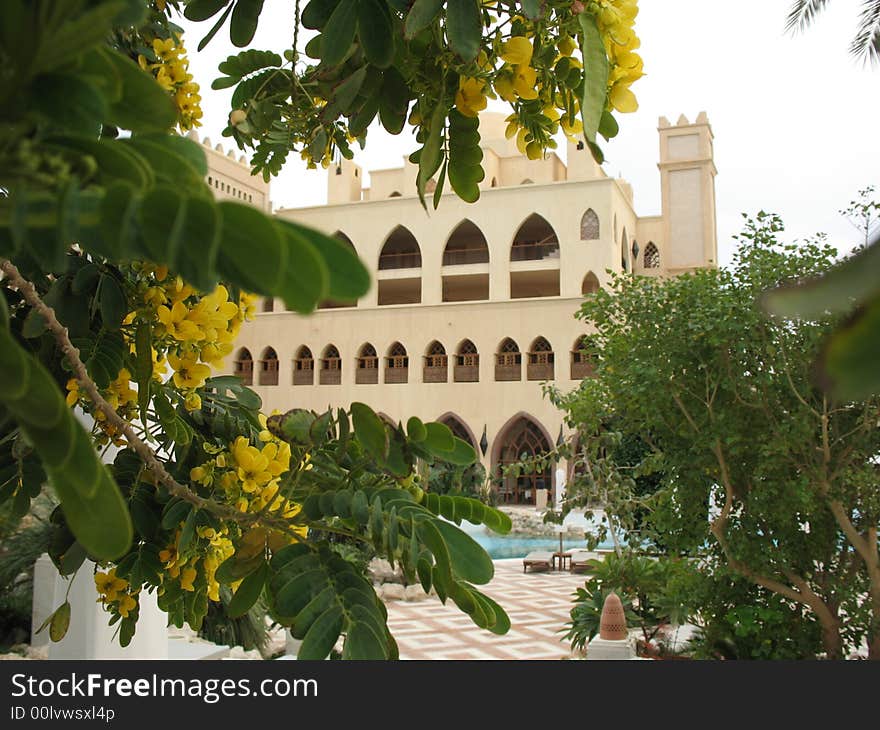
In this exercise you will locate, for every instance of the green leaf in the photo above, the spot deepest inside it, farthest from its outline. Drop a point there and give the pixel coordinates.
(248, 592)
(71, 98)
(338, 34)
(235, 568)
(143, 374)
(375, 32)
(60, 622)
(420, 16)
(464, 27)
(595, 75)
(215, 28)
(199, 10)
(849, 283)
(469, 560)
(532, 8)
(430, 535)
(393, 101)
(144, 105)
(322, 635)
(439, 439)
(852, 353)
(307, 278)
(317, 13)
(252, 251)
(362, 642)
(608, 126)
(502, 621)
(415, 429)
(244, 21)
(174, 513)
(370, 430)
(115, 161)
(462, 453)
(114, 305)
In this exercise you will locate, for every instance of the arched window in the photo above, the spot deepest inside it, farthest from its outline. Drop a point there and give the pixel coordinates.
(268, 367)
(652, 256)
(508, 361)
(395, 194)
(303, 367)
(269, 304)
(396, 364)
(466, 245)
(401, 251)
(590, 284)
(534, 241)
(467, 363)
(367, 372)
(494, 183)
(590, 226)
(527, 181)
(331, 367)
(522, 439)
(581, 361)
(436, 369)
(541, 359)
(243, 366)
(624, 251)
(340, 236)
(459, 429)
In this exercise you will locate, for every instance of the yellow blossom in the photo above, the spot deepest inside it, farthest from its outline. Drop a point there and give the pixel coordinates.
(126, 604)
(471, 97)
(517, 51)
(187, 576)
(188, 373)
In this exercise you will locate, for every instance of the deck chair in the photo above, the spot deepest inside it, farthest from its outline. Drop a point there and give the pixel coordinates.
(534, 560)
(582, 561)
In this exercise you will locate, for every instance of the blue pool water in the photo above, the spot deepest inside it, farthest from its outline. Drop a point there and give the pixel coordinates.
(519, 547)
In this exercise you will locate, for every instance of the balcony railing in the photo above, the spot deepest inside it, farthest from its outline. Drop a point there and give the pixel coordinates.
(466, 374)
(581, 368)
(331, 374)
(304, 372)
(504, 372)
(367, 372)
(537, 251)
(459, 257)
(400, 261)
(244, 369)
(539, 371)
(435, 374)
(268, 372)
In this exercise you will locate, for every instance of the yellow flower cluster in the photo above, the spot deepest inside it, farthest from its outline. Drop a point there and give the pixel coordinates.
(120, 395)
(114, 593)
(616, 21)
(211, 549)
(172, 72)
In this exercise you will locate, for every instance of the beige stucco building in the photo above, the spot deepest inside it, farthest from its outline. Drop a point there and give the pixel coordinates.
(472, 306)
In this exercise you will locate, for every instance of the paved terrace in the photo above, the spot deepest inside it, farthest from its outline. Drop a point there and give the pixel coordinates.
(538, 605)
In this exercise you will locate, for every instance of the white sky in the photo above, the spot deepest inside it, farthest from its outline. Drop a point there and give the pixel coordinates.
(795, 117)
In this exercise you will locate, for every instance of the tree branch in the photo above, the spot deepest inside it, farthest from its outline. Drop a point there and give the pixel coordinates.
(146, 454)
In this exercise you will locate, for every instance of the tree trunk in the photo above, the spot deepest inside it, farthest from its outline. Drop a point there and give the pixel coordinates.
(830, 623)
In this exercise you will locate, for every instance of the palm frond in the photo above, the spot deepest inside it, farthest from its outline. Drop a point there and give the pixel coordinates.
(803, 13)
(866, 44)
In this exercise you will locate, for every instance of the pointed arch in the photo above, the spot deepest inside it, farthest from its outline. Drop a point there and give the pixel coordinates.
(522, 436)
(303, 367)
(331, 366)
(459, 428)
(467, 363)
(367, 366)
(527, 181)
(541, 362)
(243, 366)
(436, 367)
(535, 240)
(268, 304)
(508, 361)
(624, 251)
(590, 284)
(652, 256)
(268, 374)
(395, 194)
(340, 236)
(590, 226)
(466, 245)
(400, 251)
(396, 364)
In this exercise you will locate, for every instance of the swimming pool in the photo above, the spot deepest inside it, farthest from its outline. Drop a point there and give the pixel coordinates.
(519, 547)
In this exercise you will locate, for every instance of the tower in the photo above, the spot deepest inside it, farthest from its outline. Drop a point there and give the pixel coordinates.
(687, 185)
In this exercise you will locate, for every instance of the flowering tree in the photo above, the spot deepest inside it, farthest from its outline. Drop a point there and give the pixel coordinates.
(125, 283)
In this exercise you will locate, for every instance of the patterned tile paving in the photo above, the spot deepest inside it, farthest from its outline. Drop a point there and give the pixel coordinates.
(538, 605)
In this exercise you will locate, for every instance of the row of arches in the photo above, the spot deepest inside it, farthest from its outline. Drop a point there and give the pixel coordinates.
(464, 363)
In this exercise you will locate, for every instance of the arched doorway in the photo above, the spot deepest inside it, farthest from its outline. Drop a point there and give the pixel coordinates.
(522, 438)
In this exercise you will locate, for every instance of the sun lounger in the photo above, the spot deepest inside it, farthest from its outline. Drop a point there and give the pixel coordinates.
(583, 560)
(538, 560)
